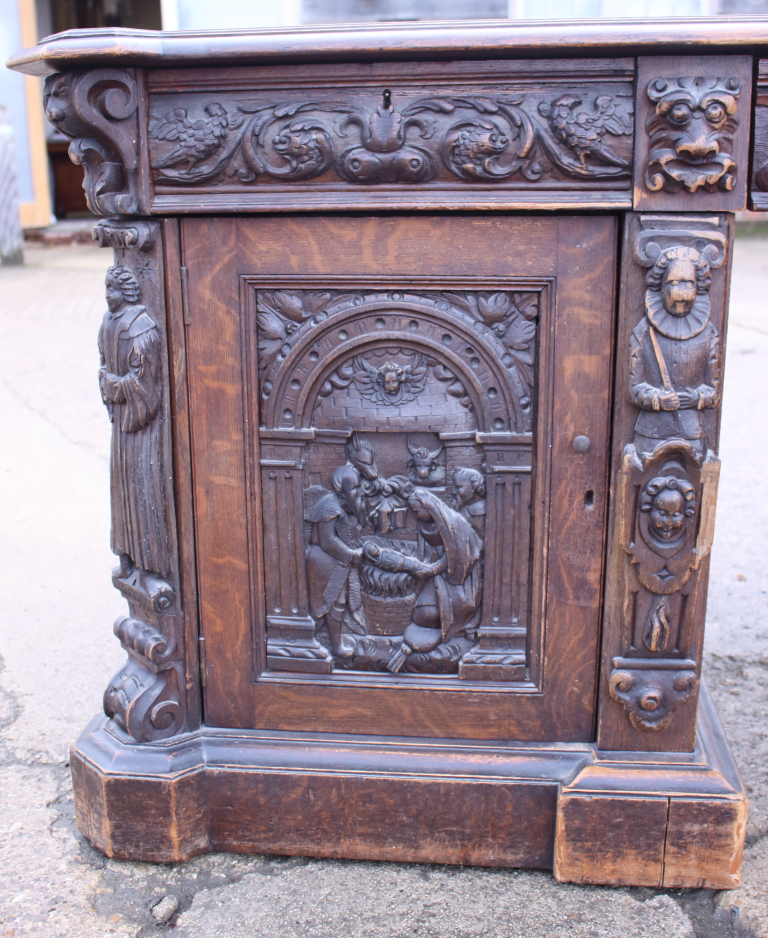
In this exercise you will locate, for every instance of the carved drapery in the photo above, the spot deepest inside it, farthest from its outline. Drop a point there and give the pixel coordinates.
(98, 110)
(147, 696)
(396, 442)
(667, 483)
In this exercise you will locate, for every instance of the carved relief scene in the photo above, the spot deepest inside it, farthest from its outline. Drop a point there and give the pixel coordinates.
(524, 128)
(397, 438)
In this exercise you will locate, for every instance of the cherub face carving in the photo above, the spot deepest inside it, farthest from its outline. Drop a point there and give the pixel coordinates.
(667, 514)
(678, 287)
(691, 131)
(668, 502)
(391, 377)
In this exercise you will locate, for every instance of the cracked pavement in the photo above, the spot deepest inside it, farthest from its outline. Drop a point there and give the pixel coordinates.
(58, 653)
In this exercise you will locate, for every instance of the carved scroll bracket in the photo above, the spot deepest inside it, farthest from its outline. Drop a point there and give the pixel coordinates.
(652, 689)
(98, 110)
(113, 233)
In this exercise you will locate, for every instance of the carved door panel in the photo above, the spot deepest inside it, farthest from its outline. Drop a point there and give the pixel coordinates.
(399, 434)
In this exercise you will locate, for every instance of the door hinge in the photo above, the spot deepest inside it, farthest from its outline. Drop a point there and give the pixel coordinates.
(203, 662)
(185, 294)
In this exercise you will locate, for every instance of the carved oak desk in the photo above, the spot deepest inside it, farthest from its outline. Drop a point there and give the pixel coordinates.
(413, 354)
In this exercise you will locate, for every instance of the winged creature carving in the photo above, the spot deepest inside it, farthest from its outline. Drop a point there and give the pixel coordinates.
(583, 131)
(198, 139)
(392, 383)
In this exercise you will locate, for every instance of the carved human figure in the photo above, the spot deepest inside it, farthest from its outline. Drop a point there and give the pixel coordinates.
(334, 556)
(130, 379)
(675, 358)
(448, 600)
(469, 486)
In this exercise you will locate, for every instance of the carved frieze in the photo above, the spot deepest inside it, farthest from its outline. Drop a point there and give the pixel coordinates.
(146, 698)
(98, 110)
(396, 436)
(486, 139)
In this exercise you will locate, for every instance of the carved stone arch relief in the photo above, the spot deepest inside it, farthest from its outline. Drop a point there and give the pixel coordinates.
(396, 436)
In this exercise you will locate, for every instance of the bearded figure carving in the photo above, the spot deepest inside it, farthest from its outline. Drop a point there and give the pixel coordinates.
(691, 133)
(675, 358)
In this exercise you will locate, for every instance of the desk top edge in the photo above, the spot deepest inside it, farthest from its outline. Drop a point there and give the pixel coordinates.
(91, 48)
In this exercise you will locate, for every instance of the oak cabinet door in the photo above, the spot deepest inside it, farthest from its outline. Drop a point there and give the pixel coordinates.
(399, 432)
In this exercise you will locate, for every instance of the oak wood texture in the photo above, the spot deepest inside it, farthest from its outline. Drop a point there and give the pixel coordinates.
(145, 48)
(504, 134)
(759, 187)
(573, 393)
(724, 81)
(662, 825)
(603, 818)
(622, 635)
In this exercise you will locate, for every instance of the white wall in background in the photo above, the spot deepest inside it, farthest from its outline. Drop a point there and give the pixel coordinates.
(229, 14)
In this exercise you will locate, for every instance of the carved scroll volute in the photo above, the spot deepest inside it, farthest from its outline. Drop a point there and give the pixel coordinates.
(98, 110)
(147, 696)
(666, 484)
(693, 132)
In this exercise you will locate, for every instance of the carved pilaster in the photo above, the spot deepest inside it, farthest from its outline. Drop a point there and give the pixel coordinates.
(665, 484)
(500, 652)
(98, 110)
(147, 696)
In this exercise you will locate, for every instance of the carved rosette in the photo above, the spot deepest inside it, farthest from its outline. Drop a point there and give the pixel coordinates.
(651, 690)
(147, 696)
(98, 110)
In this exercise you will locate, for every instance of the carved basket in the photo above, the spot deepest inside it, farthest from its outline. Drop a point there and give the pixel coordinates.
(387, 615)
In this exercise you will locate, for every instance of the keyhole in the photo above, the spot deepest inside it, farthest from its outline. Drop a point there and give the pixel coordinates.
(387, 95)
(589, 499)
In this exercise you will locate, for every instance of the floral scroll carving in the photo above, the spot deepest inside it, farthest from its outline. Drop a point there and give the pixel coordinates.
(146, 698)
(477, 139)
(691, 131)
(98, 110)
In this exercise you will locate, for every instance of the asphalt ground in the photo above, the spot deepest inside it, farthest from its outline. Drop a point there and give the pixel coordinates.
(57, 653)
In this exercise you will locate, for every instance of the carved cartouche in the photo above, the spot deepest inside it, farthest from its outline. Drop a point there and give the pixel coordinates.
(691, 133)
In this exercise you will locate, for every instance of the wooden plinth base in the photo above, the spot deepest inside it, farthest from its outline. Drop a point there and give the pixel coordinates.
(671, 820)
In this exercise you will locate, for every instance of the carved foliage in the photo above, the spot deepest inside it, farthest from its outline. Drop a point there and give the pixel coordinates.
(481, 139)
(651, 691)
(146, 698)
(98, 109)
(691, 133)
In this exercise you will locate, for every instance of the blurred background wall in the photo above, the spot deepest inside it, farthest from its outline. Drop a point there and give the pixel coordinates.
(49, 186)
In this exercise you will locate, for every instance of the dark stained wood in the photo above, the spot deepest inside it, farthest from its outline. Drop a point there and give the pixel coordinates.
(399, 251)
(692, 133)
(632, 592)
(501, 134)
(759, 189)
(361, 461)
(145, 48)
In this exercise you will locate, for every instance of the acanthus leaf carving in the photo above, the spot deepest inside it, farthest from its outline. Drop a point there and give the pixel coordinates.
(651, 690)
(691, 131)
(98, 110)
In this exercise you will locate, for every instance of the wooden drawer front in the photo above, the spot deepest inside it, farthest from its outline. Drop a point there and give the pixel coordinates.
(486, 134)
